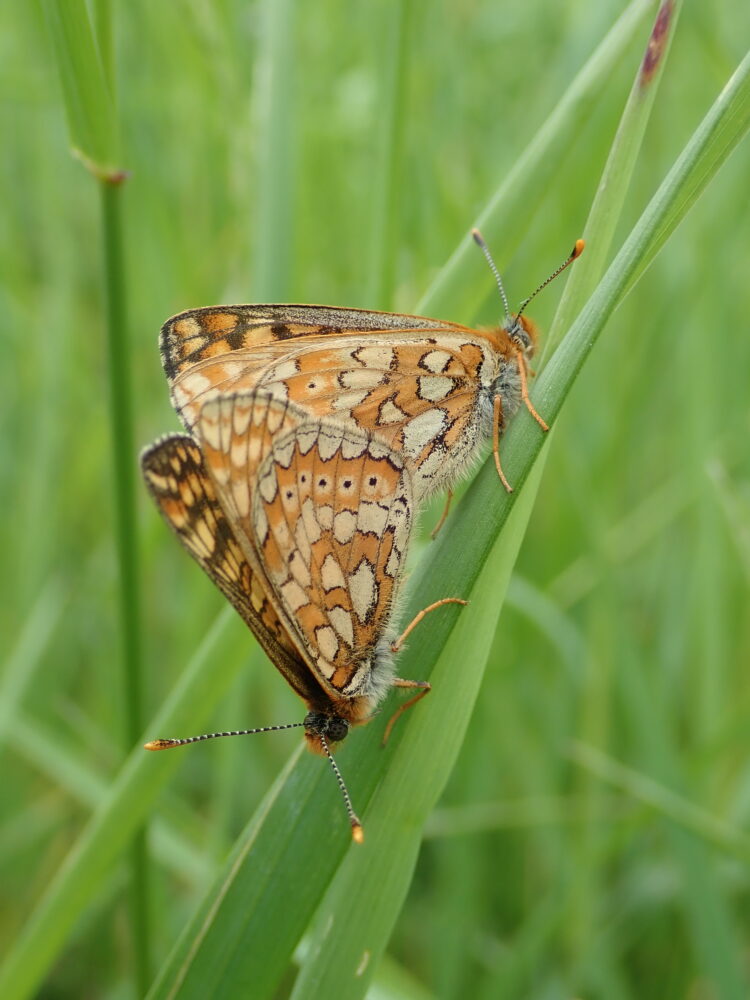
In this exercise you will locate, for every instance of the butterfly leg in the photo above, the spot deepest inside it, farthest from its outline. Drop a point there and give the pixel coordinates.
(396, 646)
(425, 688)
(443, 516)
(400, 682)
(525, 392)
(497, 422)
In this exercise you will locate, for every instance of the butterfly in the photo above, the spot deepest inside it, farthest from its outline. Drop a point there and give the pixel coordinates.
(432, 390)
(304, 525)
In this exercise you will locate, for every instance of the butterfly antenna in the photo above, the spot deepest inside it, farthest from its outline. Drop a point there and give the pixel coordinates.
(479, 240)
(574, 253)
(358, 833)
(167, 744)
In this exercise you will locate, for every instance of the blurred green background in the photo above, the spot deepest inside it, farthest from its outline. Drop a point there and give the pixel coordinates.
(591, 841)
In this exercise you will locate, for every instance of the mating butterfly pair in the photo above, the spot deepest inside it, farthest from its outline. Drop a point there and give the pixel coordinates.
(317, 432)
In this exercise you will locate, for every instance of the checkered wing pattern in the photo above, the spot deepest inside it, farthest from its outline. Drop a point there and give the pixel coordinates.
(185, 495)
(329, 518)
(415, 383)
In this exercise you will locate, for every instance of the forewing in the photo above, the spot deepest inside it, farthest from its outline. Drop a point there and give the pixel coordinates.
(198, 334)
(331, 519)
(414, 382)
(380, 370)
(176, 477)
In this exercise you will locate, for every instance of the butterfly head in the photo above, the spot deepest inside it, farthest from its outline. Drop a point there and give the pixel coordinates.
(523, 334)
(521, 331)
(332, 729)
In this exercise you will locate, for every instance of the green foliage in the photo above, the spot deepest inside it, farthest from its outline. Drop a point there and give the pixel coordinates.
(589, 838)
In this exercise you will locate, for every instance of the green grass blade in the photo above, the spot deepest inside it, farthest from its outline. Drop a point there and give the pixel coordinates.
(25, 657)
(86, 73)
(613, 186)
(645, 789)
(89, 104)
(169, 844)
(274, 227)
(718, 135)
(349, 938)
(385, 200)
(708, 906)
(460, 285)
(107, 834)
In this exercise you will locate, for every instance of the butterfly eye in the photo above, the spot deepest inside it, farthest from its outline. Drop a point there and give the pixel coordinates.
(520, 337)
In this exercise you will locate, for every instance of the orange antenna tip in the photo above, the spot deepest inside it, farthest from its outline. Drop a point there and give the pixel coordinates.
(578, 249)
(160, 744)
(358, 833)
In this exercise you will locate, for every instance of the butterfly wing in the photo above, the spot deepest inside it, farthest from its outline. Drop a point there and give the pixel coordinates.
(329, 519)
(415, 382)
(176, 477)
(195, 335)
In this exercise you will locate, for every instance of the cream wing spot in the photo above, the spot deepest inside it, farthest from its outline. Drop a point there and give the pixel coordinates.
(238, 452)
(329, 441)
(435, 387)
(274, 418)
(353, 447)
(210, 426)
(379, 449)
(241, 495)
(344, 526)
(300, 570)
(310, 522)
(375, 357)
(268, 485)
(360, 378)
(283, 451)
(331, 573)
(363, 590)
(349, 400)
(328, 644)
(423, 429)
(306, 439)
(194, 383)
(435, 361)
(260, 524)
(285, 369)
(303, 545)
(294, 596)
(391, 414)
(324, 516)
(372, 517)
(342, 621)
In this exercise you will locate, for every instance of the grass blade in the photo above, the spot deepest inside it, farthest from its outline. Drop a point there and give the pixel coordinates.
(105, 837)
(460, 285)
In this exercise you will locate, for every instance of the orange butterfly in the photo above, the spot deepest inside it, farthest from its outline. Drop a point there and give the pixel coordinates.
(431, 389)
(304, 525)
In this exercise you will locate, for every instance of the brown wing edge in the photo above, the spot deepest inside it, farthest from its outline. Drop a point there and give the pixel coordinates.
(158, 462)
(332, 320)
